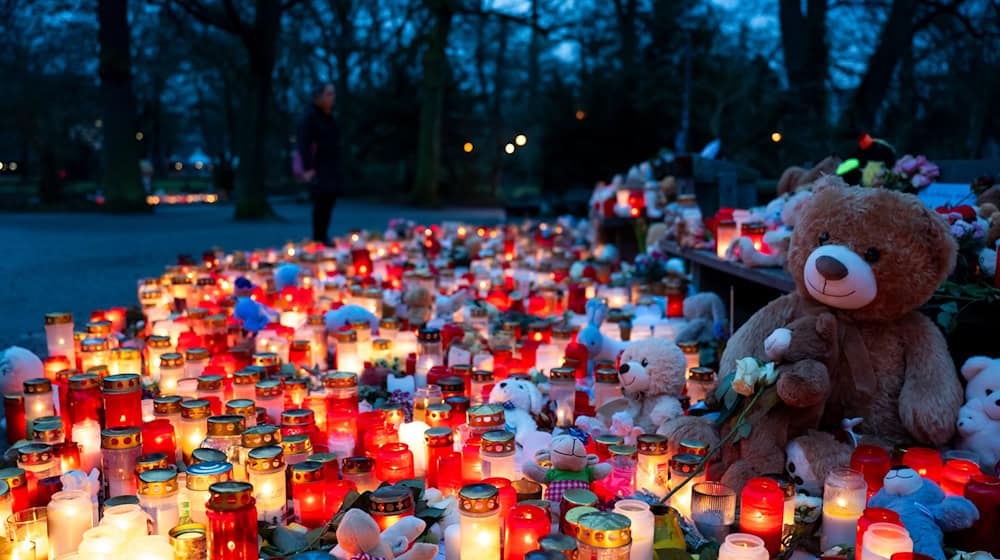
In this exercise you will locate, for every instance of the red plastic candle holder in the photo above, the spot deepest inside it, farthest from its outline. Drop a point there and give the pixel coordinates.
(17, 422)
(232, 526)
(122, 401)
(762, 504)
(926, 461)
(378, 436)
(158, 437)
(873, 462)
(526, 524)
(956, 474)
(984, 491)
(450, 473)
(394, 462)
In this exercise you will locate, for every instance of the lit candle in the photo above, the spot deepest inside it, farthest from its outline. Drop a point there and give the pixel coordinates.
(562, 391)
(87, 434)
(308, 494)
(232, 522)
(389, 504)
(641, 517)
(743, 546)
(269, 394)
(926, 461)
(844, 498)
(762, 511)
(360, 471)
(122, 400)
(526, 525)
(725, 234)
(653, 471)
(158, 498)
(103, 543)
(713, 509)
(603, 535)
(479, 522)
(30, 525)
(266, 472)
(497, 450)
(69, 517)
(412, 434)
(120, 449)
(691, 353)
(38, 401)
(59, 335)
(882, 540)
(453, 542)
(200, 478)
(151, 547)
(956, 474)
(193, 425)
(394, 462)
(873, 462)
(870, 516)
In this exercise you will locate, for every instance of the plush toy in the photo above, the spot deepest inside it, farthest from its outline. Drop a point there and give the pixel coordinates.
(346, 315)
(358, 538)
(445, 307)
(254, 315)
(286, 275)
(706, 318)
(656, 233)
(743, 250)
(571, 466)
(813, 456)
(521, 401)
(871, 273)
(652, 373)
(419, 303)
(924, 510)
(979, 419)
(794, 177)
(590, 336)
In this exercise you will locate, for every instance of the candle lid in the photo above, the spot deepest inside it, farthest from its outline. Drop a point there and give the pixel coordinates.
(13, 397)
(121, 383)
(200, 476)
(93, 344)
(604, 530)
(388, 323)
(579, 497)
(307, 471)
(99, 328)
(34, 454)
(210, 383)
(562, 374)
(125, 354)
(486, 415)
(226, 425)
(451, 384)
(158, 482)
(158, 341)
(557, 542)
(298, 417)
(241, 407)
(295, 383)
(684, 463)
(608, 440)
(316, 320)
(439, 412)
(151, 461)
(439, 437)
(196, 354)
(171, 360)
(478, 498)
(340, 380)
(37, 385)
(230, 496)
(784, 482)
(268, 388)
(389, 500)
(324, 458)
(574, 514)
(100, 370)
(360, 325)
(50, 430)
(207, 455)
(393, 411)
(651, 444)
(701, 373)
(623, 450)
(606, 375)
(300, 345)
(265, 458)
(459, 404)
(63, 376)
(261, 435)
(429, 334)
(180, 279)
(381, 344)
(693, 447)
(197, 313)
(195, 409)
(121, 438)
(295, 444)
(497, 442)
(356, 465)
(265, 359)
(123, 500)
(347, 335)
(688, 346)
(461, 371)
(58, 318)
(482, 376)
(248, 376)
(15, 477)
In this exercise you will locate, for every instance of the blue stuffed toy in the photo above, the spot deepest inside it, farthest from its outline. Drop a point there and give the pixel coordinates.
(345, 315)
(924, 509)
(253, 315)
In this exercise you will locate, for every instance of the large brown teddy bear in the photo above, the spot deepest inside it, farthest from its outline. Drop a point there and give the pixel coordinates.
(869, 257)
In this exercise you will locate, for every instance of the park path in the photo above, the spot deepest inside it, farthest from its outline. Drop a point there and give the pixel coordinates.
(81, 262)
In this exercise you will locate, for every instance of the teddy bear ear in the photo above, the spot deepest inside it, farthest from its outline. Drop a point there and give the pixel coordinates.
(535, 398)
(974, 366)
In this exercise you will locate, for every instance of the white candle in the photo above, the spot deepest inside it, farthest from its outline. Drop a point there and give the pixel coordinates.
(641, 517)
(128, 520)
(87, 434)
(882, 540)
(103, 543)
(151, 547)
(412, 434)
(69, 517)
(743, 546)
(453, 542)
(844, 497)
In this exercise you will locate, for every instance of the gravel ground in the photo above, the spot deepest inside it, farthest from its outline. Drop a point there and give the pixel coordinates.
(81, 262)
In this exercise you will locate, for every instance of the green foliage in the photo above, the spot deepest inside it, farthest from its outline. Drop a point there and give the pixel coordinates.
(951, 299)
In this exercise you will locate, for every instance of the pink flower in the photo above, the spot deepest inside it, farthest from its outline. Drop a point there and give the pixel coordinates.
(907, 165)
(930, 170)
(920, 181)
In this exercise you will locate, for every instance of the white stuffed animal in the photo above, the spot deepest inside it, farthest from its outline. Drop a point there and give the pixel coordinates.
(979, 418)
(598, 345)
(521, 401)
(17, 365)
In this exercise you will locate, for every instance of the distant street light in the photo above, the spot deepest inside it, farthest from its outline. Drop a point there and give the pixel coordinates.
(198, 165)
(178, 166)
(13, 166)
(775, 137)
(509, 148)
(580, 115)
(98, 123)
(138, 136)
(468, 147)
(520, 139)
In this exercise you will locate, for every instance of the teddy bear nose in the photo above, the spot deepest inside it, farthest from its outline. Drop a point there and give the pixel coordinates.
(623, 368)
(830, 268)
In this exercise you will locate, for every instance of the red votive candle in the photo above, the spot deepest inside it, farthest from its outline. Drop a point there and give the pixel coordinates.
(526, 524)
(85, 400)
(17, 422)
(926, 461)
(394, 462)
(17, 479)
(53, 365)
(874, 515)
(300, 353)
(232, 522)
(158, 437)
(472, 462)
(367, 421)
(440, 442)
(122, 400)
(984, 491)
(336, 493)
(298, 421)
(450, 473)
(956, 474)
(309, 494)
(873, 462)
(378, 436)
(459, 408)
(762, 509)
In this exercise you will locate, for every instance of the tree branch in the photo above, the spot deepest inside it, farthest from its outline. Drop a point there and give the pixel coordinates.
(202, 13)
(520, 20)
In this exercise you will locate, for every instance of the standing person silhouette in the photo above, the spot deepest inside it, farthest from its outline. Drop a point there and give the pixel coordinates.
(319, 149)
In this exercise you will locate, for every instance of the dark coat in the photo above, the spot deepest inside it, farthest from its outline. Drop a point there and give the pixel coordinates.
(319, 147)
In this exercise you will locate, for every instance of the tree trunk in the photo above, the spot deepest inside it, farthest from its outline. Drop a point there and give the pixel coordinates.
(122, 184)
(435, 66)
(803, 39)
(251, 179)
(345, 100)
(894, 39)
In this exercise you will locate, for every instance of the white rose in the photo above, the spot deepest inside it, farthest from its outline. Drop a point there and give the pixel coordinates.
(768, 374)
(747, 374)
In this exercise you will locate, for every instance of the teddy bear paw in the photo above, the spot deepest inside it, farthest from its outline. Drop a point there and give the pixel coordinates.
(777, 343)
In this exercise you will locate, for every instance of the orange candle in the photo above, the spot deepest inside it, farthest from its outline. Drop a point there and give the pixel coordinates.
(762, 511)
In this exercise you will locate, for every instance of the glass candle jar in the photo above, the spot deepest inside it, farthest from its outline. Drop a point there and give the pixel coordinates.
(484, 418)
(122, 400)
(269, 396)
(743, 546)
(389, 504)
(482, 382)
(984, 491)
(30, 526)
(296, 389)
(682, 466)
(125, 360)
(873, 462)
(926, 461)
(341, 392)
(94, 352)
(309, 494)
(642, 524)
(844, 498)
(562, 391)
(607, 386)
(156, 347)
(497, 451)
(168, 408)
(232, 522)
(479, 522)
(452, 385)
(604, 536)
(38, 401)
(439, 442)
(243, 383)
(424, 397)
(189, 542)
(348, 357)
(69, 516)
(252, 438)
(158, 498)
(394, 462)
(223, 434)
(526, 525)
(297, 421)
(16, 480)
(300, 353)
(151, 461)
(59, 335)
(49, 429)
(200, 477)
(245, 408)
(956, 474)
(216, 334)
(37, 459)
(266, 472)
(171, 371)
(360, 471)
(193, 426)
(17, 426)
(713, 509)
(439, 416)
(195, 362)
(158, 437)
(870, 516)
(297, 448)
(382, 349)
(210, 388)
(429, 353)
(700, 383)
(762, 510)
(120, 450)
(653, 464)
(882, 540)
